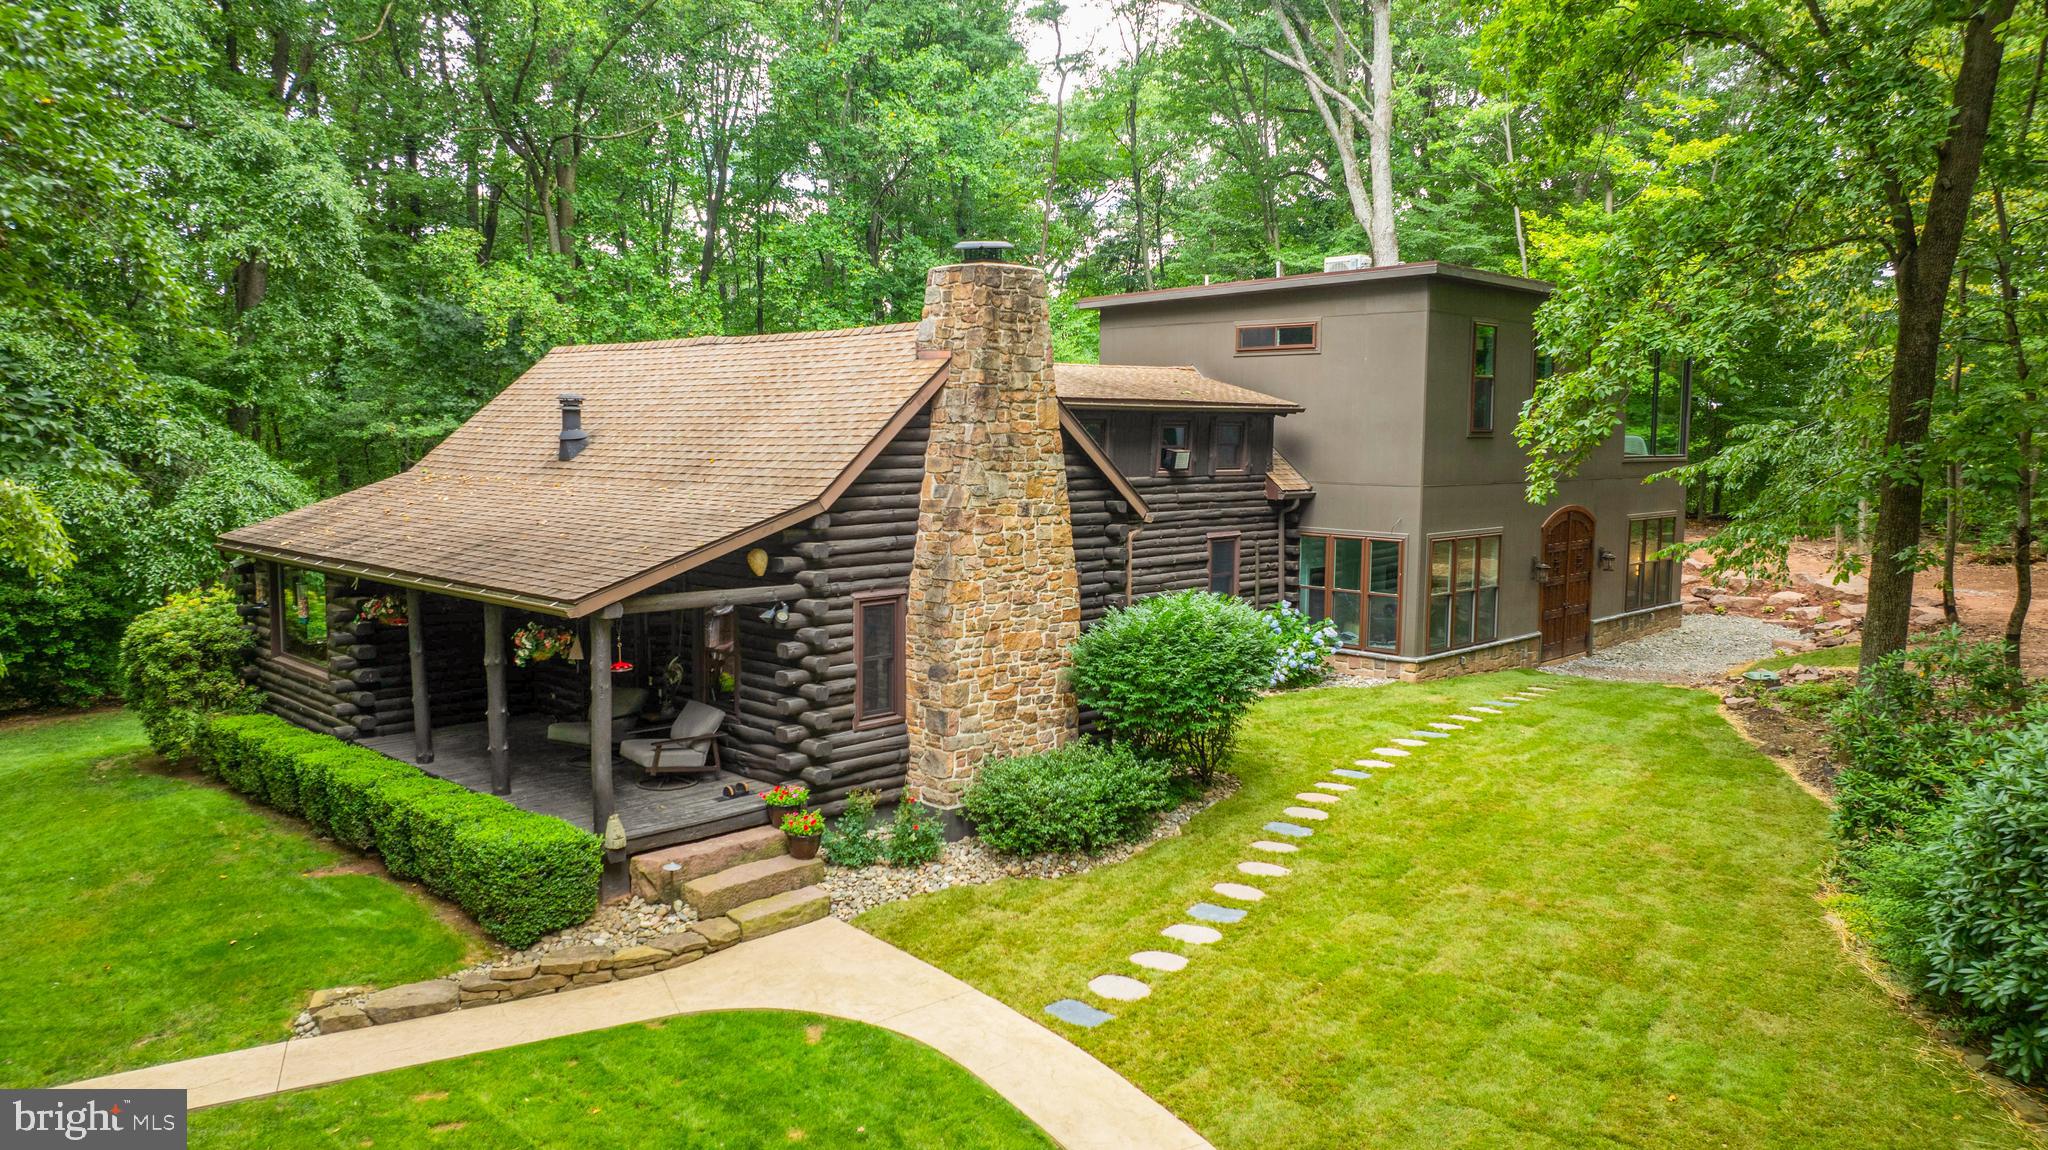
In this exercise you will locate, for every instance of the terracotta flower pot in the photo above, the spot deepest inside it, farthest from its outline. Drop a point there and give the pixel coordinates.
(802, 846)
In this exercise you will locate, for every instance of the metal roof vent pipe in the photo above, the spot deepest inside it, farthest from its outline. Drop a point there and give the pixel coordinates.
(574, 438)
(983, 251)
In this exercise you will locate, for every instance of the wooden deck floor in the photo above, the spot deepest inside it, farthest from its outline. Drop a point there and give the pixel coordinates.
(554, 779)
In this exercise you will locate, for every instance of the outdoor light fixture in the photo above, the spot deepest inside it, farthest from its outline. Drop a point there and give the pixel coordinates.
(1606, 559)
(1538, 569)
(782, 612)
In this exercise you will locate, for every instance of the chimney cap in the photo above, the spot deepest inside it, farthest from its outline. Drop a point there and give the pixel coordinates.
(570, 399)
(983, 251)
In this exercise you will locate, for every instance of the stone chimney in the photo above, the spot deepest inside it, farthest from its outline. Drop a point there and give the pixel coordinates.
(994, 596)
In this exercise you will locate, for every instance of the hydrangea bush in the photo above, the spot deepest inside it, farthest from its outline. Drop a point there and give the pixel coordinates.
(1305, 644)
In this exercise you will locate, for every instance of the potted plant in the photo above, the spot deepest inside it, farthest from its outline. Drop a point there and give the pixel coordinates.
(788, 796)
(802, 829)
(386, 609)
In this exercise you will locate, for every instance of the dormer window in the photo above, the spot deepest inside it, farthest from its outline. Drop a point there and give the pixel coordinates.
(1264, 337)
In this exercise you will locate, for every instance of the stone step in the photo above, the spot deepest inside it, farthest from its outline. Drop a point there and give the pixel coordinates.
(695, 860)
(715, 894)
(780, 912)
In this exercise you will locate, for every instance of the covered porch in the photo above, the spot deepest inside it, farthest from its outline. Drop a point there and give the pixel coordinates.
(551, 779)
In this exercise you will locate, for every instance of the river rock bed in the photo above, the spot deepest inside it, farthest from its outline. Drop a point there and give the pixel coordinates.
(969, 863)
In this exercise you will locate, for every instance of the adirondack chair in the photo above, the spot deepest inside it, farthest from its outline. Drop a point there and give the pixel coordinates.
(691, 748)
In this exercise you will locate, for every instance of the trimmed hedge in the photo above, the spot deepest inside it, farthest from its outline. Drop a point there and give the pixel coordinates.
(1081, 797)
(519, 874)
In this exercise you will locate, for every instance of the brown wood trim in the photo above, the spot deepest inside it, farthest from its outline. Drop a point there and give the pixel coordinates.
(1104, 464)
(1315, 342)
(1236, 558)
(1244, 447)
(1472, 428)
(899, 600)
(1454, 538)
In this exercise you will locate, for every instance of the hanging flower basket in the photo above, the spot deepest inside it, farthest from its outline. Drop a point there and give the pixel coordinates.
(537, 643)
(386, 609)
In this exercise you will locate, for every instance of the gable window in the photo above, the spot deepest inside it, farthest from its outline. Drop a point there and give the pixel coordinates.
(1258, 337)
(1657, 422)
(1485, 352)
(878, 658)
(1356, 584)
(1223, 562)
(1651, 580)
(1230, 452)
(1176, 446)
(1464, 591)
(298, 613)
(1097, 429)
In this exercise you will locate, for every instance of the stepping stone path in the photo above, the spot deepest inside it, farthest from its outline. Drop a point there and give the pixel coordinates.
(1210, 912)
(1123, 988)
(1118, 987)
(1079, 1013)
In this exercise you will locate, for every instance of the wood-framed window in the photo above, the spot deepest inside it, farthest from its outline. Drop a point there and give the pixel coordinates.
(1265, 338)
(1223, 562)
(1464, 591)
(1485, 359)
(1097, 429)
(1651, 581)
(1230, 447)
(1657, 418)
(1176, 448)
(1355, 582)
(298, 615)
(878, 658)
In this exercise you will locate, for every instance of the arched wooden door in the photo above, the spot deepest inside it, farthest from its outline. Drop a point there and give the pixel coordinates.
(1568, 583)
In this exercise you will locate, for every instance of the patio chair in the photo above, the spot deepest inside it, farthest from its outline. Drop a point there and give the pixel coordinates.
(625, 703)
(691, 748)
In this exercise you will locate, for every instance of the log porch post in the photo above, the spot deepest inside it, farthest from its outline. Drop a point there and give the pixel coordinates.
(494, 699)
(601, 625)
(416, 650)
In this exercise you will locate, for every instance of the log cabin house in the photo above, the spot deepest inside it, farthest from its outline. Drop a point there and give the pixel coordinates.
(871, 548)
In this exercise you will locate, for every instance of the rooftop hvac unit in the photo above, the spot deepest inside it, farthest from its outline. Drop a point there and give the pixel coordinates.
(1350, 263)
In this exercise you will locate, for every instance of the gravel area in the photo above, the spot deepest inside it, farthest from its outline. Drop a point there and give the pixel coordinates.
(1703, 648)
(969, 863)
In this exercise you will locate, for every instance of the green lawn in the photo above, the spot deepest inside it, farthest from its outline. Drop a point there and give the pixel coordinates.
(754, 1079)
(1589, 922)
(1846, 655)
(149, 917)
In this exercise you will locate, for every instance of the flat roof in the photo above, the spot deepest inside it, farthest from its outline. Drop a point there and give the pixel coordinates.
(1426, 269)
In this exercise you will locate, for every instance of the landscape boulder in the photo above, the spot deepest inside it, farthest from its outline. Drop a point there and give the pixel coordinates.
(413, 1000)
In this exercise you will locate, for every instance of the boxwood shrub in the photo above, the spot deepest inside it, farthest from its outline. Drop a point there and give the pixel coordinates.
(519, 874)
(1082, 797)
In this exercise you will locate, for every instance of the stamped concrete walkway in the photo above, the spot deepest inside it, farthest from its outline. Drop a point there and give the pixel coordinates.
(826, 967)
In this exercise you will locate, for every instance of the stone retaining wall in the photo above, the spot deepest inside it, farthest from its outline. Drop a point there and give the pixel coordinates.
(1524, 652)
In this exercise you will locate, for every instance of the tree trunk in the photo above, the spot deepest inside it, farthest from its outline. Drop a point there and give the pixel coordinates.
(1926, 263)
(1059, 128)
(2030, 457)
(1952, 530)
(1380, 132)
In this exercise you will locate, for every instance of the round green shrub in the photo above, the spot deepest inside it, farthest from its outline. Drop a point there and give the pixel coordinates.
(181, 663)
(1987, 911)
(1174, 675)
(1082, 797)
